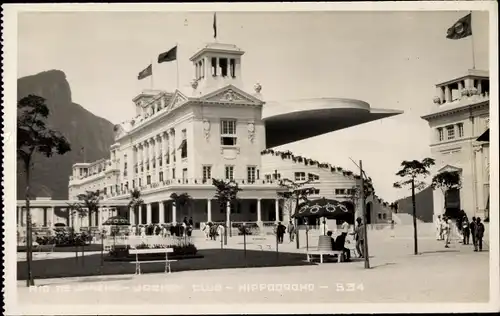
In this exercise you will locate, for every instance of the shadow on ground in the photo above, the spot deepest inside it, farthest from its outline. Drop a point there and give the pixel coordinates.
(212, 259)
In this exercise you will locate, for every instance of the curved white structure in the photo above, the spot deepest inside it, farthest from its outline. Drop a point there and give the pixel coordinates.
(296, 120)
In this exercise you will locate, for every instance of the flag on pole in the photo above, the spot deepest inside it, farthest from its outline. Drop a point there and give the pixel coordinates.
(215, 25)
(461, 29)
(170, 55)
(148, 71)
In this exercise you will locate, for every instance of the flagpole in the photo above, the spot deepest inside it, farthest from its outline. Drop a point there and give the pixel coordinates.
(472, 44)
(152, 74)
(177, 63)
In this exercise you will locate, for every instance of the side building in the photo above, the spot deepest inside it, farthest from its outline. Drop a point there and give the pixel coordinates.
(459, 116)
(331, 182)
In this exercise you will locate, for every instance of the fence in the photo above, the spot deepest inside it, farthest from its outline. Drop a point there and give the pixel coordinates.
(133, 241)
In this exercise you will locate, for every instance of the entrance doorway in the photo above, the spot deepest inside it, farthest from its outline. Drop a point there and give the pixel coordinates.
(452, 203)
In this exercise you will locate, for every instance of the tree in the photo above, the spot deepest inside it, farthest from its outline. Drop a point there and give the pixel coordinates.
(411, 172)
(135, 201)
(446, 180)
(91, 201)
(75, 209)
(181, 200)
(295, 192)
(226, 192)
(35, 138)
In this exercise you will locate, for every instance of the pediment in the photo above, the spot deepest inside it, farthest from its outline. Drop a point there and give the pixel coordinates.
(231, 94)
(176, 100)
(449, 168)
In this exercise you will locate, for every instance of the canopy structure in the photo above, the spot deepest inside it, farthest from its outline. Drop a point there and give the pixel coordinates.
(291, 121)
(327, 208)
(117, 220)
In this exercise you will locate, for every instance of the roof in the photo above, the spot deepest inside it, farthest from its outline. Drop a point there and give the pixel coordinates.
(218, 48)
(470, 73)
(292, 121)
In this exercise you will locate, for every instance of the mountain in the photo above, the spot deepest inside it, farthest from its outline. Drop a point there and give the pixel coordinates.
(82, 129)
(425, 205)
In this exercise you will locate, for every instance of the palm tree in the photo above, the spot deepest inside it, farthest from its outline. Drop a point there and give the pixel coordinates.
(181, 200)
(135, 200)
(411, 171)
(75, 209)
(91, 201)
(295, 192)
(226, 192)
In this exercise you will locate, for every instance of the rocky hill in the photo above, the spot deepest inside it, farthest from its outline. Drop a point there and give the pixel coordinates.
(82, 128)
(425, 205)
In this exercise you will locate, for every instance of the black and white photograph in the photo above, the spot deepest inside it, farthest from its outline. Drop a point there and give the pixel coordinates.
(250, 158)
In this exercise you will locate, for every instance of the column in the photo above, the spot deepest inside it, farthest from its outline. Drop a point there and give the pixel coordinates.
(447, 93)
(228, 214)
(140, 215)
(161, 209)
(164, 144)
(259, 212)
(52, 217)
(174, 213)
(148, 213)
(131, 215)
(209, 210)
(277, 209)
(172, 147)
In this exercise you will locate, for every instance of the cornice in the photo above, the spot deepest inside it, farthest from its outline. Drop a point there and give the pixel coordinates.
(461, 109)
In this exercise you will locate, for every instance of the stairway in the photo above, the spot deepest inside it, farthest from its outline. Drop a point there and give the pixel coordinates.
(404, 219)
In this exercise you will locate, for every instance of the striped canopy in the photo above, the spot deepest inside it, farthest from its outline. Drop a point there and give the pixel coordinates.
(117, 220)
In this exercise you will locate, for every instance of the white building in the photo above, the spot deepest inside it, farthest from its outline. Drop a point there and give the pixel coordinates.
(459, 116)
(179, 141)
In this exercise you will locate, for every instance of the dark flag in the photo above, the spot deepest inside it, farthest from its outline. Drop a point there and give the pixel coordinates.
(215, 25)
(462, 28)
(148, 71)
(171, 55)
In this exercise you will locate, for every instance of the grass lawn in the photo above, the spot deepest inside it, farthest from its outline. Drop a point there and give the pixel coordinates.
(212, 259)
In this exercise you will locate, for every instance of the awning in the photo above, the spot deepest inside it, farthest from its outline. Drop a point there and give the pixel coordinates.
(183, 143)
(485, 137)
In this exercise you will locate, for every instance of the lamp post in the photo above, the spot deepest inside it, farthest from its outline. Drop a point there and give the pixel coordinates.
(364, 213)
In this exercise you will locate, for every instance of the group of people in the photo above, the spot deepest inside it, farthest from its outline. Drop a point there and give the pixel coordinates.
(212, 230)
(465, 229)
(183, 229)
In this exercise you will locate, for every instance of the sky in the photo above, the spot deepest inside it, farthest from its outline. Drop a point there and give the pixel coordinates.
(391, 60)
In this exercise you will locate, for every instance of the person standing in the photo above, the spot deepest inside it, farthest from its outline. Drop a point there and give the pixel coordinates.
(472, 229)
(344, 228)
(478, 234)
(447, 231)
(291, 230)
(465, 230)
(359, 236)
(280, 232)
(439, 228)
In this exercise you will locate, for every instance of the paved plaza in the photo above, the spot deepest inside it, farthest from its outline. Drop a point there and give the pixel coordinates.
(453, 275)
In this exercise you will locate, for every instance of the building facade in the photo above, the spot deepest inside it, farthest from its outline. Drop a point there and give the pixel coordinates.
(179, 141)
(459, 116)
